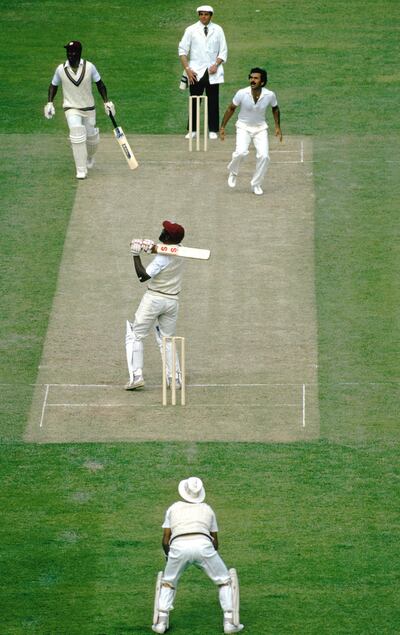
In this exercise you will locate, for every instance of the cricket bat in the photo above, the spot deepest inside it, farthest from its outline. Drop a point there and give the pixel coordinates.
(182, 252)
(123, 142)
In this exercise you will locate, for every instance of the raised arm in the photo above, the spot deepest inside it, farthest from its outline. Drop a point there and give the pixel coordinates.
(140, 270)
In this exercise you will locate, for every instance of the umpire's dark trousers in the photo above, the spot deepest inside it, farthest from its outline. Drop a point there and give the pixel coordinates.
(212, 92)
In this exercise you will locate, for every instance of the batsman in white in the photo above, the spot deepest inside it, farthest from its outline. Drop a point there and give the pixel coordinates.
(190, 536)
(159, 306)
(76, 76)
(252, 127)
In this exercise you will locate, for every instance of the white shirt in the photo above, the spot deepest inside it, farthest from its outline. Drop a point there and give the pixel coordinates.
(190, 518)
(56, 81)
(76, 85)
(253, 114)
(204, 50)
(166, 274)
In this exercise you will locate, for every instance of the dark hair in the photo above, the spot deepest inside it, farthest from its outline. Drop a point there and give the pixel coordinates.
(262, 72)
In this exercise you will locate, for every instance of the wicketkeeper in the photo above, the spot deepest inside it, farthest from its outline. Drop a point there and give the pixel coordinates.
(190, 536)
(76, 76)
(159, 306)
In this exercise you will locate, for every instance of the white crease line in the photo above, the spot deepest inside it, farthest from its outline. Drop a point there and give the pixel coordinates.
(149, 162)
(126, 405)
(44, 405)
(188, 385)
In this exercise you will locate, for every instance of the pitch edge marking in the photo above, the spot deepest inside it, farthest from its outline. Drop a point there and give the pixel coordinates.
(44, 405)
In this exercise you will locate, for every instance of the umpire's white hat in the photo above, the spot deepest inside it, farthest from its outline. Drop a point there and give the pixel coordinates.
(205, 7)
(192, 490)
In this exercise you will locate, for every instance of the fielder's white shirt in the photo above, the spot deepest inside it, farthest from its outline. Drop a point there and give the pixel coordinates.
(166, 274)
(77, 86)
(203, 50)
(253, 114)
(190, 518)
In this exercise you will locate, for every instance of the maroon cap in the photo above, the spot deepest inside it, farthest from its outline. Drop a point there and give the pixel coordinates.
(73, 47)
(174, 230)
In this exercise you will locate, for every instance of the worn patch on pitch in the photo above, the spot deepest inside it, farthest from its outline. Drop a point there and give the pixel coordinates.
(248, 314)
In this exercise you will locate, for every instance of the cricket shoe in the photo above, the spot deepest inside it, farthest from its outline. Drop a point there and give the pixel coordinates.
(81, 174)
(90, 163)
(232, 179)
(257, 190)
(212, 135)
(231, 628)
(137, 382)
(190, 135)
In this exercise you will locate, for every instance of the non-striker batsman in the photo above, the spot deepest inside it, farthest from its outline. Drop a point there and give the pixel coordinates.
(76, 77)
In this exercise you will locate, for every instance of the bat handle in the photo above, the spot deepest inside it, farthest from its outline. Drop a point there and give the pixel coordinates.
(114, 123)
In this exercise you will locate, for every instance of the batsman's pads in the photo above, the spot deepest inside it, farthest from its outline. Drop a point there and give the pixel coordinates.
(157, 597)
(235, 596)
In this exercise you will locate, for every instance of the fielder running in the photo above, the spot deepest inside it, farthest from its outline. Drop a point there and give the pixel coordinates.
(252, 127)
(190, 536)
(76, 76)
(159, 306)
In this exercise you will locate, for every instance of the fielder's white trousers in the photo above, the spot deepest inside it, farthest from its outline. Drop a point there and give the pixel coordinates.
(244, 136)
(197, 550)
(154, 311)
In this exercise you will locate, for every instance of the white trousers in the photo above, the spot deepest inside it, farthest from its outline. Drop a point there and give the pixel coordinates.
(154, 311)
(76, 118)
(243, 139)
(197, 550)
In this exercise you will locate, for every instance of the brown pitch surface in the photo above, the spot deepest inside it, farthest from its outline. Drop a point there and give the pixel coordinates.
(248, 314)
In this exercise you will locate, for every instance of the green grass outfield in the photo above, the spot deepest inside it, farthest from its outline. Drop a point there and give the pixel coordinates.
(312, 528)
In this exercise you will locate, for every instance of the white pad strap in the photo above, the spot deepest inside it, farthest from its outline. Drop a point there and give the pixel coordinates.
(77, 134)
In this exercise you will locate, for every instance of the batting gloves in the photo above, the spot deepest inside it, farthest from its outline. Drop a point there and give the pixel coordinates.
(49, 110)
(109, 108)
(147, 246)
(136, 246)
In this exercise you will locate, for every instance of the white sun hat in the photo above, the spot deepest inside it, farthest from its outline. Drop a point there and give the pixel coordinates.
(192, 490)
(205, 7)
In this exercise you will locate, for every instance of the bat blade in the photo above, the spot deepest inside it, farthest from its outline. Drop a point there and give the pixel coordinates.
(182, 252)
(126, 148)
(123, 142)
